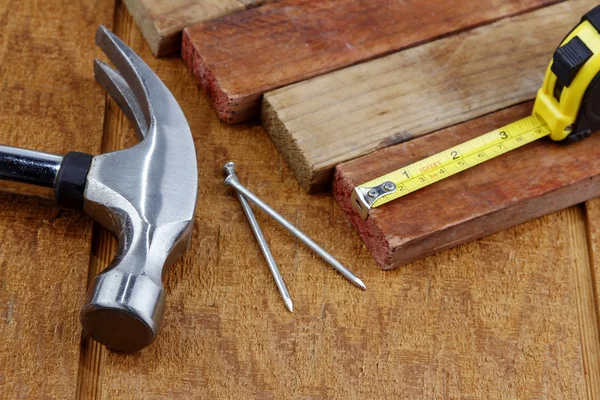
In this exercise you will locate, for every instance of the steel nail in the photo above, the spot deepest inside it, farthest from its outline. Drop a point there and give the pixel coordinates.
(232, 181)
(262, 242)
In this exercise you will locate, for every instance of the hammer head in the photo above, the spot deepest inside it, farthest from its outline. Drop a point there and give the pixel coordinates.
(146, 195)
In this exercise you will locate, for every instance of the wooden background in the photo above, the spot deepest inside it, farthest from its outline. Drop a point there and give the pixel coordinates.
(511, 315)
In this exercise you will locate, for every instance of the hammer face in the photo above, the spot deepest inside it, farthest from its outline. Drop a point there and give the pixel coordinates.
(146, 195)
(123, 310)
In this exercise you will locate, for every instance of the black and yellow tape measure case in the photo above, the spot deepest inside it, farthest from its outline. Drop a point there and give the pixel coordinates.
(571, 86)
(566, 108)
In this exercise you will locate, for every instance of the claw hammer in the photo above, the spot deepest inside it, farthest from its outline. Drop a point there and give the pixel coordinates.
(146, 195)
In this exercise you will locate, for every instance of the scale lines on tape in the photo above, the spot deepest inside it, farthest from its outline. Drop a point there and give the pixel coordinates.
(448, 162)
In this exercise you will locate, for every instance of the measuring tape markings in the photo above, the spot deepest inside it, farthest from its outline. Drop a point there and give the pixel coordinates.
(458, 158)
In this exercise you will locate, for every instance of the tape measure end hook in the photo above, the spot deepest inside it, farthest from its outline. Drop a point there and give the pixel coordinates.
(363, 198)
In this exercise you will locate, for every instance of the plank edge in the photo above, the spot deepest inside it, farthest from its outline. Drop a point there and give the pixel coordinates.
(147, 27)
(286, 145)
(230, 109)
(391, 252)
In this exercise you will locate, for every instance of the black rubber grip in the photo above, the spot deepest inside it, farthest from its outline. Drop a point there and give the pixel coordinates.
(71, 180)
(569, 59)
(593, 16)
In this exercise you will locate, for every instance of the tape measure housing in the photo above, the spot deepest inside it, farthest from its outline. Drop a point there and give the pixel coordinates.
(558, 101)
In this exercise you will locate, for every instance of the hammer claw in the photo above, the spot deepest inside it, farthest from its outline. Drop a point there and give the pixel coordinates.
(128, 65)
(155, 100)
(119, 90)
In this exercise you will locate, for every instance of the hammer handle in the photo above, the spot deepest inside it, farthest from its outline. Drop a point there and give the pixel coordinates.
(28, 172)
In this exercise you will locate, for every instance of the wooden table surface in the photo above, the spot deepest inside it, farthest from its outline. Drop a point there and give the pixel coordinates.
(513, 315)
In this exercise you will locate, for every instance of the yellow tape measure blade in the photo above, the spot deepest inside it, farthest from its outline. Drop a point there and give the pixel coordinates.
(446, 163)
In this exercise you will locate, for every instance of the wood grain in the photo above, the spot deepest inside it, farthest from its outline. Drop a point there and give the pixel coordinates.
(592, 220)
(240, 57)
(162, 21)
(523, 184)
(433, 324)
(504, 317)
(592, 209)
(322, 122)
(51, 103)
(499, 318)
(585, 300)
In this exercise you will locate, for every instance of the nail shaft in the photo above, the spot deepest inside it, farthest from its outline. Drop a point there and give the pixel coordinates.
(264, 247)
(262, 243)
(232, 181)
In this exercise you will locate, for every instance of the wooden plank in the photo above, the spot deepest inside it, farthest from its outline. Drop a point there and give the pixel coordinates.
(240, 57)
(523, 184)
(592, 221)
(586, 299)
(462, 324)
(320, 123)
(592, 209)
(51, 103)
(465, 325)
(162, 21)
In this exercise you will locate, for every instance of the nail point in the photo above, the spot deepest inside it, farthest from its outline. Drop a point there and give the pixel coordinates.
(289, 305)
(360, 284)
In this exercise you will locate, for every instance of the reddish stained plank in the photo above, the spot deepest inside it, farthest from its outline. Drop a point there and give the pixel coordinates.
(162, 21)
(521, 185)
(241, 56)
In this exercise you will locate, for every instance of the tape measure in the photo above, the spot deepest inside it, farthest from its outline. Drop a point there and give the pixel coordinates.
(567, 108)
